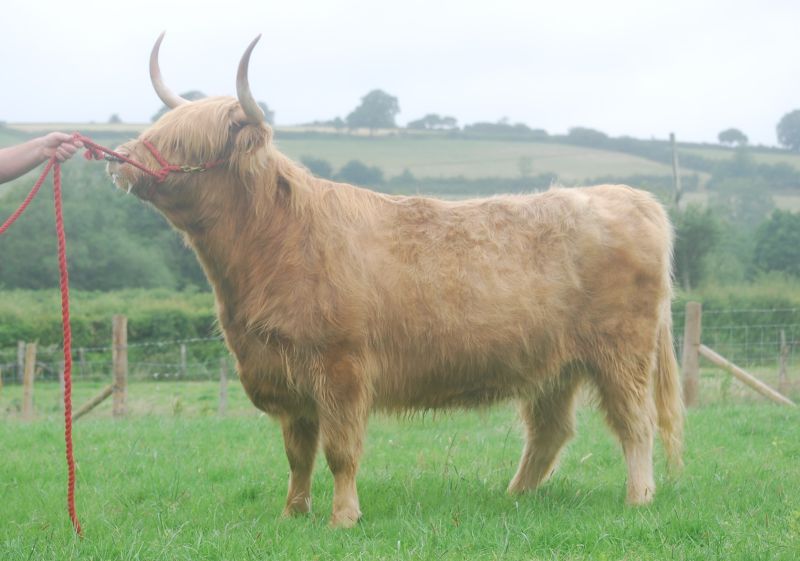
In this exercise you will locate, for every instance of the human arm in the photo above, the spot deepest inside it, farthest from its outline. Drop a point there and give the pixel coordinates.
(19, 159)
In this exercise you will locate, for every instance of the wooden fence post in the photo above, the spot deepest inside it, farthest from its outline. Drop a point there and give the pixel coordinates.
(119, 355)
(82, 361)
(27, 381)
(94, 402)
(691, 352)
(783, 378)
(20, 361)
(223, 385)
(676, 172)
(182, 372)
(745, 376)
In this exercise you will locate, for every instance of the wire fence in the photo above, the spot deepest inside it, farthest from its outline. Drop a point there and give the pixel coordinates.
(751, 338)
(748, 337)
(193, 359)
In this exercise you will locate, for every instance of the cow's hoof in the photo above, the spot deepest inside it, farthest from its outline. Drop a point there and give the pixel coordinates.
(640, 497)
(345, 518)
(518, 486)
(298, 507)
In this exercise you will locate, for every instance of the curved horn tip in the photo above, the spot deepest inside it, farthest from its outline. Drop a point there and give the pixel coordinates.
(170, 99)
(253, 112)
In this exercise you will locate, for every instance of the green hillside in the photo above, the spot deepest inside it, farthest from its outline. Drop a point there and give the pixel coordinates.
(451, 157)
(770, 157)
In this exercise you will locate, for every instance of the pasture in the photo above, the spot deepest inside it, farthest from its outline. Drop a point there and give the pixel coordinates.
(472, 159)
(785, 157)
(175, 481)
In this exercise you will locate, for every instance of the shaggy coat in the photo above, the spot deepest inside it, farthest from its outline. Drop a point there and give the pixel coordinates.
(337, 300)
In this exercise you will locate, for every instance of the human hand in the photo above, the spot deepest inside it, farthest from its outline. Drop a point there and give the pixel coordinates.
(60, 145)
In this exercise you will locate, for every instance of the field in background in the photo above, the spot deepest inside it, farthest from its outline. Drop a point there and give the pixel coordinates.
(435, 156)
(472, 159)
(429, 156)
(191, 485)
(759, 156)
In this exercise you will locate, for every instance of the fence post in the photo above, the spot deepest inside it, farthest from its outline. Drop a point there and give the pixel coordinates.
(783, 379)
(223, 385)
(691, 352)
(20, 361)
(1, 381)
(82, 361)
(182, 372)
(676, 172)
(119, 355)
(27, 381)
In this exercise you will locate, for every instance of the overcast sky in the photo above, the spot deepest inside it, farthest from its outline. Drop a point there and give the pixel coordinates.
(627, 67)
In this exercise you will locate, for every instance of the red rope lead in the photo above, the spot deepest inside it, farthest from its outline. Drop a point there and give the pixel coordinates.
(94, 151)
(13, 218)
(64, 281)
(64, 278)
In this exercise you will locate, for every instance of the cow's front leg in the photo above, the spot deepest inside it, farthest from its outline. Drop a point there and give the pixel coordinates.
(300, 437)
(344, 406)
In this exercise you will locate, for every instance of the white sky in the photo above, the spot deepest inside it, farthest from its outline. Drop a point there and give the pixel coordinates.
(640, 68)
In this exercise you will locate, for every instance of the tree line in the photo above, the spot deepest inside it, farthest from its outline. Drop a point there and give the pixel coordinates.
(379, 109)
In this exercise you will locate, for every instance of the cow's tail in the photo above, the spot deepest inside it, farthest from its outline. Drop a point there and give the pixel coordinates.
(669, 403)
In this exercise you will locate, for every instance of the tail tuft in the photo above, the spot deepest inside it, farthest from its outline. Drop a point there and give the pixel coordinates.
(669, 403)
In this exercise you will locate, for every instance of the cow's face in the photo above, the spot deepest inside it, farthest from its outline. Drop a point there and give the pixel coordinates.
(228, 136)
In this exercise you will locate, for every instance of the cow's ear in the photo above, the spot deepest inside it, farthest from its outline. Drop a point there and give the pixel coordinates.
(250, 150)
(248, 137)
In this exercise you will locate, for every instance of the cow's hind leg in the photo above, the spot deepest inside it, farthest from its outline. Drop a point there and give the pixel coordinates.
(343, 414)
(549, 422)
(300, 438)
(624, 388)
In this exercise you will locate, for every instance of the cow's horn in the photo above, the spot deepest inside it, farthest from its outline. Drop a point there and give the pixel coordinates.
(170, 99)
(249, 106)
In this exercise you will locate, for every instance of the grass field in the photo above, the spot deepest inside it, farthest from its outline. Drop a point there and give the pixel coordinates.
(185, 484)
(443, 157)
(760, 157)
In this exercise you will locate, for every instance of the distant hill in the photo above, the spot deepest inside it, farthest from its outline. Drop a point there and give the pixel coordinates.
(435, 157)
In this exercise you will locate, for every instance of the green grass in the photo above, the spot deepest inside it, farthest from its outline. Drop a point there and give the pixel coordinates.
(722, 153)
(445, 157)
(195, 486)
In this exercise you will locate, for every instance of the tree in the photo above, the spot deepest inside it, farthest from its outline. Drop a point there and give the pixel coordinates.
(269, 116)
(732, 136)
(696, 234)
(377, 111)
(777, 245)
(789, 130)
(318, 166)
(586, 136)
(114, 119)
(190, 95)
(359, 173)
(432, 121)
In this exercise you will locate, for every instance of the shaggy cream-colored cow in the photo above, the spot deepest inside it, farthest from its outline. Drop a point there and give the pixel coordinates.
(336, 300)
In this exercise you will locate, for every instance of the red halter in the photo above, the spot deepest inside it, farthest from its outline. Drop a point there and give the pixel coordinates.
(95, 151)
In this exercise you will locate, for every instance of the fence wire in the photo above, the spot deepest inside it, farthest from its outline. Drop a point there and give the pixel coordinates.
(748, 337)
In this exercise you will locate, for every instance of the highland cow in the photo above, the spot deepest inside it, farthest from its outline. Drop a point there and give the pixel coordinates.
(337, 300)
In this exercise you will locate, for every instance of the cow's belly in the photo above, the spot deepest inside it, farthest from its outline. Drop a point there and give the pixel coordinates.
(451, 388)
